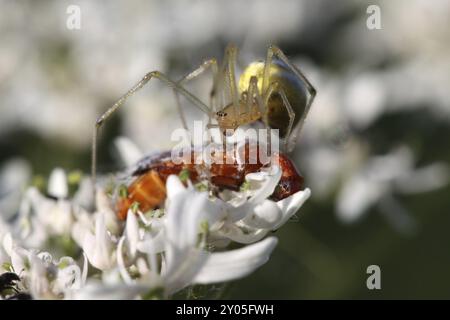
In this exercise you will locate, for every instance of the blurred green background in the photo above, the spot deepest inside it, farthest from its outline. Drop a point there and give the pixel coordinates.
(375, 149)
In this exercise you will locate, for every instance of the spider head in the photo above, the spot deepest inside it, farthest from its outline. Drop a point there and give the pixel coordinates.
(221, 115)
(226, 119)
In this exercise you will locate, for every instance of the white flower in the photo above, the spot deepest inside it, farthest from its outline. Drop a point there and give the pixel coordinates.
(98, 290)
(41, 217)
(98, 244)
(40, 275)
(128, 151)
(249, 220)
(96, 233)
(179, 246)
(84, 196)
(14, 176)
(186, 261)
(57, 184)
(152, 255)
(234, 264)
(186, 212)
(53, 215)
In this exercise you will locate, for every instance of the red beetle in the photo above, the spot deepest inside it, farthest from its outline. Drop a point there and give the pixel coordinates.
(148, 189)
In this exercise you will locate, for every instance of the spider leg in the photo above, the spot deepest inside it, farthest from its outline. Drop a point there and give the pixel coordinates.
(227, 77)
(154, 74)
(275, 51)
(207, 64)
(254, 96)
(274, 88)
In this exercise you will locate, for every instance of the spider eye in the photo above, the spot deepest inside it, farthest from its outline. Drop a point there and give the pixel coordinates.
(221, 114)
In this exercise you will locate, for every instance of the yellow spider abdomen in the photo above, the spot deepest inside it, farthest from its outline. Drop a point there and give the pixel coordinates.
(277, 114)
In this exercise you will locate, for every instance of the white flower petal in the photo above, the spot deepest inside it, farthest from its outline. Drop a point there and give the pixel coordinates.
(121, 264)
(152, 244)
(7, 243)
(266, 215)
(57, 184)
(268, 182)
(237, 234)
(357, 195)
(185, 213)
(85, 269)
(84, 196)
(129, 152)
(290, 205)
(182, 267)
(19, 259)
(236, 213)
(14, 177)
(132, 232)
(103, 242)
(104, 206)
(39, 284)
(79, 231)
(98, 247)
(262, 185)
(234, 264)
(96, 290)
(89, 247)
(187, 210)
(68, 277)
(428, 178)
(174, 186)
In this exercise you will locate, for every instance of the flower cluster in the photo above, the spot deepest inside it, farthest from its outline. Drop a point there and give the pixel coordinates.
(152, 254)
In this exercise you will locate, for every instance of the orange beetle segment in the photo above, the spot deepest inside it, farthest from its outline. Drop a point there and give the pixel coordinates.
(148, 190)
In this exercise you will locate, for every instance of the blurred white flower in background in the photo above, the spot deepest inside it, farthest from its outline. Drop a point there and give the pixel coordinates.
(15, 175)
(72, 75)
(386, 71)
(381, 177)
(416, 57)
